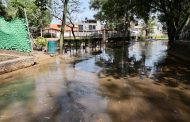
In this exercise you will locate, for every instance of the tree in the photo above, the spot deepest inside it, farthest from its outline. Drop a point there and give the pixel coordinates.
(3, 12)
(15, 9)
(63, 25)
(149, 26)
(42, 4)
(116, 13)
(71, 8)
(43, 7)
(175, 14)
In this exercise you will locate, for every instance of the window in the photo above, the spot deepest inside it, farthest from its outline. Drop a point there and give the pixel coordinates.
(94, 27)
(80, 28)
(90, 27)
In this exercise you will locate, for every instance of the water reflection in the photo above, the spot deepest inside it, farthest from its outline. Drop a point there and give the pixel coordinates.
(139, 58)
(149, 54)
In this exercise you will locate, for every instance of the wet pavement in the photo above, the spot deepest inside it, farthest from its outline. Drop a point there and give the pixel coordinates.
(138, 82)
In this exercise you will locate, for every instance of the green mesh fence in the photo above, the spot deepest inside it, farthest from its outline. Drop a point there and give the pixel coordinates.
(14, 36)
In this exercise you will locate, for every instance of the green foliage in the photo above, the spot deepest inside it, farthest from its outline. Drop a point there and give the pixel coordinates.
(149, 26)
(174, 14)
(15, 9)
(116, 13)
(41, 41)
(42, 4)
(2, 10)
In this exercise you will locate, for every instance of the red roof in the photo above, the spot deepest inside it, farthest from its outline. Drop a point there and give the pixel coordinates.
(57, 27)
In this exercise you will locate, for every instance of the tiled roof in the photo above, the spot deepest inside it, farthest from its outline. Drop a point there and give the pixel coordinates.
(58, 27)
(55, 26)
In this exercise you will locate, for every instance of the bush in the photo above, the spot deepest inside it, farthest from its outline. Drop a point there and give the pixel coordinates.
(41, 42)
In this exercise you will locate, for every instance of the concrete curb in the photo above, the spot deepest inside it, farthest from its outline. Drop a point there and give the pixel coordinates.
(16, 64)
(24, 60)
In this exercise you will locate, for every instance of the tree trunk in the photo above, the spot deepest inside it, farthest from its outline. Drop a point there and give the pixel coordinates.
(41, 32)
(171, 35)
(41, 23)
(63, 27)
(177, 36)
(29, 34)
(146, 32)
(171, 40)
(72, 30)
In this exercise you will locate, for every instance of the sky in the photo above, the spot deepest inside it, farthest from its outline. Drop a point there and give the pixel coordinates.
(86, 12)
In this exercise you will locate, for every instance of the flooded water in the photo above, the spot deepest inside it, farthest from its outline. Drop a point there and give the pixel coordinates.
(138, 82)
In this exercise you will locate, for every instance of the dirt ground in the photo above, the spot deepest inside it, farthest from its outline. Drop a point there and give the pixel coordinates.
(6, 57)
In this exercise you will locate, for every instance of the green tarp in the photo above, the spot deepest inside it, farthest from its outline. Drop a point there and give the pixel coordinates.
(14, 36)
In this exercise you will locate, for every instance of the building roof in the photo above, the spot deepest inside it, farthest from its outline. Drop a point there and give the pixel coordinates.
(57, 27)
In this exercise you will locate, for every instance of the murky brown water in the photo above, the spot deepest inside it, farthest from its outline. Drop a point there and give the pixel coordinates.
(133, 83)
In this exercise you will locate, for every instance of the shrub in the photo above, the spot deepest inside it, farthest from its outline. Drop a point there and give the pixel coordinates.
(41, 42)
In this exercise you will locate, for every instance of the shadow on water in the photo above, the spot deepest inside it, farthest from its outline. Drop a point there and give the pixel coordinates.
(144, 60)
(66, 107)
(138, 102)
(173, 72)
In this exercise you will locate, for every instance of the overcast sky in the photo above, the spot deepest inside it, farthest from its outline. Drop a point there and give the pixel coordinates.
(86, 12)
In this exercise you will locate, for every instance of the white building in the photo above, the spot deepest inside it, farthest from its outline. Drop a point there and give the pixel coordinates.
(138, 30)
(89, 27)
(85, 28)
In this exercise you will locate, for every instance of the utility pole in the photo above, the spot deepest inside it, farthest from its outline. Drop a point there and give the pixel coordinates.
(63, 26)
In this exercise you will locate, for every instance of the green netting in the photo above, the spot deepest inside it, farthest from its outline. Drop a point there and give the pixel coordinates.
(14, 36)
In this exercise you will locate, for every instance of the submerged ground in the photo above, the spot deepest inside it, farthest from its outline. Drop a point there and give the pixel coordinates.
(138, 82)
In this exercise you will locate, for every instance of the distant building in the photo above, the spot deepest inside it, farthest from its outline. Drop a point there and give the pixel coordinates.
(54, 30)
(85, 28)
(138, 30)
(158, 30)
(89, 25)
